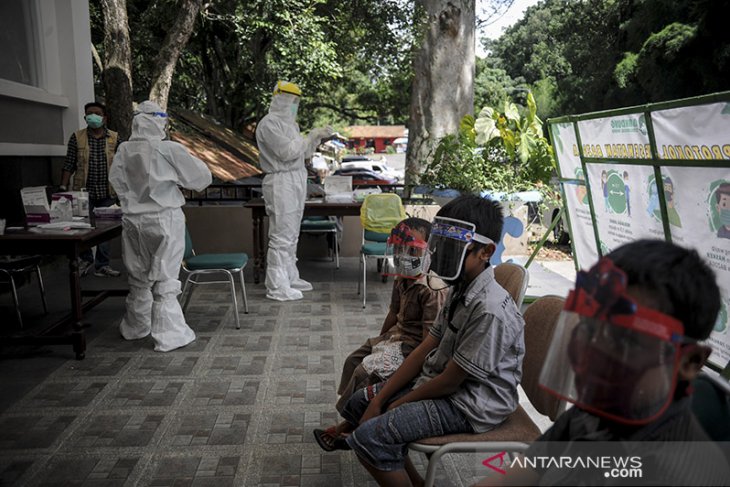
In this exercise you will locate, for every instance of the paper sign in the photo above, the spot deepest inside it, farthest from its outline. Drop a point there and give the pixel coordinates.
(35, 203)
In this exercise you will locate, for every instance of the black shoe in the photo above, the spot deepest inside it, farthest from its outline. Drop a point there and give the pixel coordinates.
(327, 442)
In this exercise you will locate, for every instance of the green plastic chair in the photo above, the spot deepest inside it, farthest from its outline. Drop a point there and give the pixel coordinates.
(322, 225)
(378, 215)
(229, 264)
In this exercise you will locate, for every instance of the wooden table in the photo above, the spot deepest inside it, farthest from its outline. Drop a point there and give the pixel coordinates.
(71, 244)
(311, 208)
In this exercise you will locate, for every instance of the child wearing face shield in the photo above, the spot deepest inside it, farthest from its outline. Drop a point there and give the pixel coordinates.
(624, 352)
(463, 377)
(413, 308)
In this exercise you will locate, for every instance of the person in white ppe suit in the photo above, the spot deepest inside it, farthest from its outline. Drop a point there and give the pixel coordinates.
(146, 173)
(282, 152)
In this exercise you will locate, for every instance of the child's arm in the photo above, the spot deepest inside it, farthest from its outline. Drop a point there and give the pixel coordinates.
(431, 304)
(392, 318)
(408, 371)
(444, 384)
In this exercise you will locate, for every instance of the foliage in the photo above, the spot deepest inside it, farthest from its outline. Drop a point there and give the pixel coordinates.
(351, 59)
(602, 54)
(501, 151)
(493, 86)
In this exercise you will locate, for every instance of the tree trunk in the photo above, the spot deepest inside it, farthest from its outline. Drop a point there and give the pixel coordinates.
(118, 67)
(443, 83)
(175, 40)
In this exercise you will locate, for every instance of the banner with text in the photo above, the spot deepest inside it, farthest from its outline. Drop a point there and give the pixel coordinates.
(581, 224)
(626, 197)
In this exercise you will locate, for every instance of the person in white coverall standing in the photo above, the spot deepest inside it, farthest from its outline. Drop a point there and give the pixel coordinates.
(146, 173)
(282, 152)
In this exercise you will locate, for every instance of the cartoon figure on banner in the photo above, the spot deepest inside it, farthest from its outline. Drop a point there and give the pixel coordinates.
(615, 192)
(581, 193)
(719, 204)
(653, 207)
(627, 192)
(721, 323)
(604, 188)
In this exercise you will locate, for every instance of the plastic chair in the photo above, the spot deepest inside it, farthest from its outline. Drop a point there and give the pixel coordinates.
(378, 215)
(518, 430)
(228, 264)
(514, 279)
(13, 266)
(322, 225)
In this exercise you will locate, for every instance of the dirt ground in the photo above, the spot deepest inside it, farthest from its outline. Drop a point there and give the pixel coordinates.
(552, 251)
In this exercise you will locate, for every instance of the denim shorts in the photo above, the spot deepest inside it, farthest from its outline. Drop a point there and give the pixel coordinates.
(382, 441)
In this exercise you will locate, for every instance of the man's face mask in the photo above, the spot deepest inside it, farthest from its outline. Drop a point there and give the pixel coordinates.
(448, 246)
(725, 216)
(611, 356)
(407, 251)
(294, 106)
(94, 121)
(723, 208)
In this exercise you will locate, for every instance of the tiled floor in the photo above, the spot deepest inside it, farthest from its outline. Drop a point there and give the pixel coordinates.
(237, 407)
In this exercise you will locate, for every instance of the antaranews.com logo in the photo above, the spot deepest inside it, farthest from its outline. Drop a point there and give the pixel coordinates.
(615, 467)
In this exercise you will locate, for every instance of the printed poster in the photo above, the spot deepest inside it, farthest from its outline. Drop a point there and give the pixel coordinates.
(625, 203)
(699, 217)
(693, 133)
(615, 138)
(579, 213)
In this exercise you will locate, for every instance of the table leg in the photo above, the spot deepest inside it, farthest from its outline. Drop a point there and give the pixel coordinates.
(257, 243)
(77, 338)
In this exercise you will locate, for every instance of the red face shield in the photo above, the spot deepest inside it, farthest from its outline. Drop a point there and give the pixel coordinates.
(611, 356)
(407, 251)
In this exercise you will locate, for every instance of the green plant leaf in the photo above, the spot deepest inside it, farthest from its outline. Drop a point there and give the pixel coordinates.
(511, 112)
(486, 130)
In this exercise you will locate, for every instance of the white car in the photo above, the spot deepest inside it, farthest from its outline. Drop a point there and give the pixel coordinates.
(382, 167)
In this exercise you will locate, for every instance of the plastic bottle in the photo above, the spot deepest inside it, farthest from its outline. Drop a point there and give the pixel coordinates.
(84, 203)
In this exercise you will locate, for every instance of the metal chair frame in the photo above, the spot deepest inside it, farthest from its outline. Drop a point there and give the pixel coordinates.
(10, 274)
(363, 268)
(324, 231)
(191, 278)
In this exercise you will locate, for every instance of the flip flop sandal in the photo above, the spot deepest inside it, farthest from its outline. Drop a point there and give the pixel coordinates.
(327, 440)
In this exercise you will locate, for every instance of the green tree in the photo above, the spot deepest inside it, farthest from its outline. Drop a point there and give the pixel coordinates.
(589, 55)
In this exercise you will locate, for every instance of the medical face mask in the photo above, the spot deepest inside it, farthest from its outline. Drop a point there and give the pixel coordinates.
(408, 253)
(725, 217)
(448, 245)
(294, 108)
(94, 121)
(610, 356)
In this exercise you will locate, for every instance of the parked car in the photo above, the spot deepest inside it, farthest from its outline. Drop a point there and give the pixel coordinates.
(363, 177)
(362, 162)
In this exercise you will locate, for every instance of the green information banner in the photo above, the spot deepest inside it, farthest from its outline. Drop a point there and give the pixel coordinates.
(656, 171)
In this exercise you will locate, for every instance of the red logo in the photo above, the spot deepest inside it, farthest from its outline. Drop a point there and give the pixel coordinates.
(500, 457)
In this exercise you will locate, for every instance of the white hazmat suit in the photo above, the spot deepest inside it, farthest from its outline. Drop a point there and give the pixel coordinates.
(145, 174)
(282, 153)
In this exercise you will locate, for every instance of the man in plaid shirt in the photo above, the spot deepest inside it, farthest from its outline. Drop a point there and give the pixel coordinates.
(88, 158)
